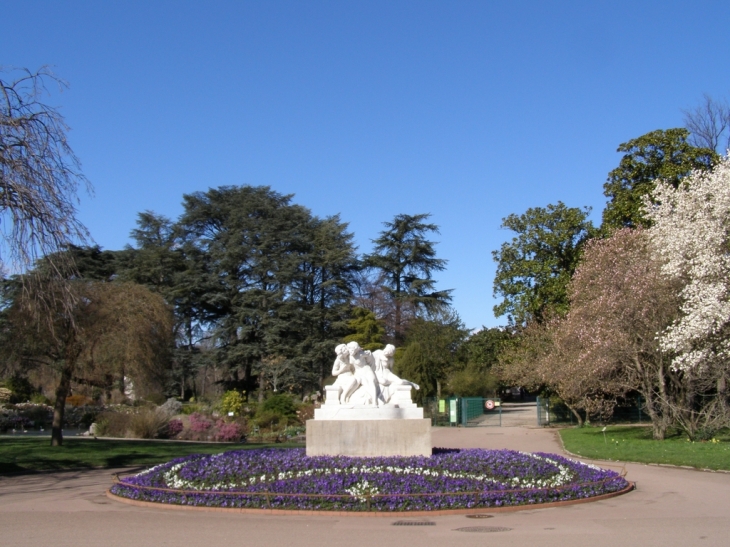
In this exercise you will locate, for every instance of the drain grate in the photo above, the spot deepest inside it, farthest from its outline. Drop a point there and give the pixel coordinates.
(479, 516)
(483, 529)
(414, 523)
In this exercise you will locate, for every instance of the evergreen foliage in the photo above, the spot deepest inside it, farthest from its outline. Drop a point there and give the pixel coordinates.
(406, 261)
(431, 352)
(659, 155)
(534, 269)
(368, 330)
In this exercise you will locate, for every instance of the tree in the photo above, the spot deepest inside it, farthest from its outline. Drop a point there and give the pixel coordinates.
(406, 261)
(605, 346)
(658, 155)
(619, 302)
(163, 263)
(484, 346)
(279, 282)
(368, 331)
(113, 329)
(472, 375)
(323, 293)
(39, 175)
(90, 262)
(534, 269)
(431, 352)
(690, 233)
(709, 125)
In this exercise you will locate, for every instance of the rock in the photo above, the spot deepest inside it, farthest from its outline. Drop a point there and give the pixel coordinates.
(171, 407)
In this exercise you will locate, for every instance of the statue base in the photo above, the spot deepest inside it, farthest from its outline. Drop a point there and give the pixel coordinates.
(368, 412)
(369, 437)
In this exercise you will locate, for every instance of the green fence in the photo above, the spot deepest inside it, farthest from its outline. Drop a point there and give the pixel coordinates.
(555, 412)
(463, 411)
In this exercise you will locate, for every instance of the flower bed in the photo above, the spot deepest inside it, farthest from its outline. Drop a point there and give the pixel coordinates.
(449, 479)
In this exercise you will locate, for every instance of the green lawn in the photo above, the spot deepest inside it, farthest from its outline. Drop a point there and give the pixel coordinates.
(36, 454)
(635, 444)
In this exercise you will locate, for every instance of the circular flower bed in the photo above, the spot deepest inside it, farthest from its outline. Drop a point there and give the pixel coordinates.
(449, 479)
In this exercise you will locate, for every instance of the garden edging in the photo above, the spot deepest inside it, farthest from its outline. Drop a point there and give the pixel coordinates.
(441, 512)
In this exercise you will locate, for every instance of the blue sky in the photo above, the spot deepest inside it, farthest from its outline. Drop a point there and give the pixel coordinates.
(469, 111)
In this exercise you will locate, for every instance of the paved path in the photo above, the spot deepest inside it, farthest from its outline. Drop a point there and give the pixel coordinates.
(671, 507)
(519, 414)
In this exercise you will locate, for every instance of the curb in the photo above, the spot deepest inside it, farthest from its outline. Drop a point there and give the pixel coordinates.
(293, 512)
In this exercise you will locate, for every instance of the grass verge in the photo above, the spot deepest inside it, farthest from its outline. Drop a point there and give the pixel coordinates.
(635, 444)
(18, 455)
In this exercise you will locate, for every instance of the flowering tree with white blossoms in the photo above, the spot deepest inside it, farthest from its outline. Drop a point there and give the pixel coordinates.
(691, 234)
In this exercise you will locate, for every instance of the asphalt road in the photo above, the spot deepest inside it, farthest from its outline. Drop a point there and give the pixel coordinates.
(670, 507)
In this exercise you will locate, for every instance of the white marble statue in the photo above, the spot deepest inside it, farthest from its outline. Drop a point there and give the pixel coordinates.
(364, 371)
(387, 380)
(365, 388)
(345, 373)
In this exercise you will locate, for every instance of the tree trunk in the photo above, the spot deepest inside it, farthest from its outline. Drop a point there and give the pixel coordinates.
(722, 392)
(577, 415)
(438, 389)
(261, 386)
(59, 407)
(659, 423)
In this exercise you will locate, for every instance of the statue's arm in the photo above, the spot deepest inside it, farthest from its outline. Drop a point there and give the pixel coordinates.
(338, 368)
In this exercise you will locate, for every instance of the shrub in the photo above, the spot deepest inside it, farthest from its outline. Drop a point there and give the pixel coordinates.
(305, 412)
(39, 415)
(156, 398)
(267, 419)
(174, 428)
(147, 424)
(199, 423)
(78, 400)
(21, 389)
(191, 408)
(281, 405)
(227, 432)
(112, 424)
(39, 399)
(80, 416)
(232, 401)
(12, 420)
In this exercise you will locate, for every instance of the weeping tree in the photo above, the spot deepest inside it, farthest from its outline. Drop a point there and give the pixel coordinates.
(111, 329)
(39, 179)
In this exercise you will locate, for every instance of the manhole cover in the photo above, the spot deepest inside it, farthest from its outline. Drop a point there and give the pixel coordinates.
(479, 516)
(414, 523)
(483, 529)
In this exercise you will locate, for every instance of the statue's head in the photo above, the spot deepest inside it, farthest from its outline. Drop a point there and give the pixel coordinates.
(341, 349)
(354, 348)
(389, 350)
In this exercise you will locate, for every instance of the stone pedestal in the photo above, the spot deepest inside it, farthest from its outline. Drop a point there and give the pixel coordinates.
(369, 438)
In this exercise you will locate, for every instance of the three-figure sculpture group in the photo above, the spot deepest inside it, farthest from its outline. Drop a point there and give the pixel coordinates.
(366, 378)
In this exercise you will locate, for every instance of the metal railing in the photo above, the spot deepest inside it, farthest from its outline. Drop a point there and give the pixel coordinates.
(464, 411)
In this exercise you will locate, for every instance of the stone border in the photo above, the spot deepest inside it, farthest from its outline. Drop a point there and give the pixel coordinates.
(443, 512)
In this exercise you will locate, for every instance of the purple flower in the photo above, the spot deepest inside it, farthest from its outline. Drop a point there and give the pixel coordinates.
(288, 479)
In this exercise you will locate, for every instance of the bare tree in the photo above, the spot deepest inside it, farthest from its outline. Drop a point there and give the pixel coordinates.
(709, 124)
(39, 174)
